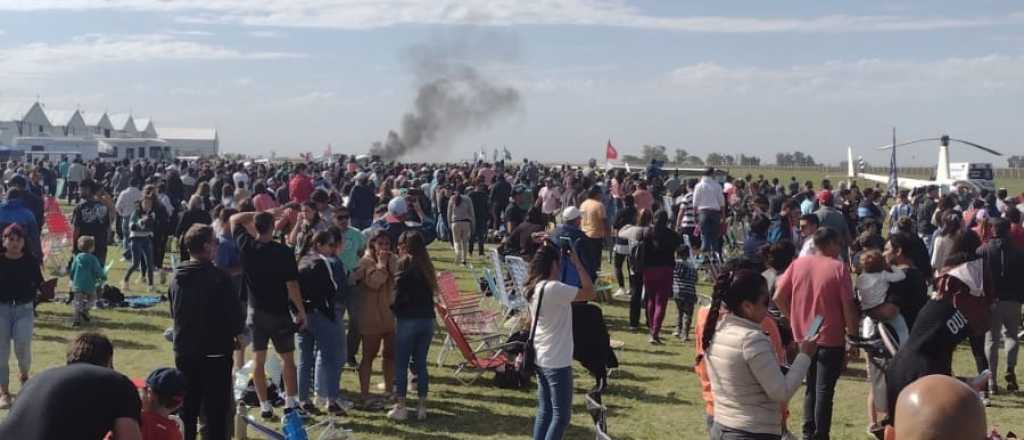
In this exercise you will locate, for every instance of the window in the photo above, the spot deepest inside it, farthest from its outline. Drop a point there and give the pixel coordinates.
(155, 152)
(40, 129)
(106, 132)
(130, 152)
(38, 148)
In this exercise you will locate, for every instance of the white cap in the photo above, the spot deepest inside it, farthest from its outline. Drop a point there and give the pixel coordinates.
(397, 206)
(571, 213)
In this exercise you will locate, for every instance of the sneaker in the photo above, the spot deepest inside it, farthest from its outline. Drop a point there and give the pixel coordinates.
(335, 409)
(311, 409)
(304, 415)
(985, 399)
(1011, 383)
(346, 405)
(267, 415)
(398, 413)
(676, 333)
(621, 293)
(5, 401)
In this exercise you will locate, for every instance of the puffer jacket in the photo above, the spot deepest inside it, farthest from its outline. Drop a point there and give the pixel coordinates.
(746, 380)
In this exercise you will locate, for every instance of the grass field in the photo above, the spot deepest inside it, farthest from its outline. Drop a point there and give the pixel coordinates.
(654, 395)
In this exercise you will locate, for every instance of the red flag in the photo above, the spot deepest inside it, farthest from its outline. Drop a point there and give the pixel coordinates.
(610, 152)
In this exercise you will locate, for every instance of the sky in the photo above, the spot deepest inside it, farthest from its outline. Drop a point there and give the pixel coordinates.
(752, 77)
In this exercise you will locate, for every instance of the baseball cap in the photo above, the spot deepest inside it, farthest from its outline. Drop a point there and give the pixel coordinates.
(825, 196)
(571, 213)
(397, 206)
(167, 382)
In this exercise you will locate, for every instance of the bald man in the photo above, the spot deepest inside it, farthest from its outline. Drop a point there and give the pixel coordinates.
(938, 407)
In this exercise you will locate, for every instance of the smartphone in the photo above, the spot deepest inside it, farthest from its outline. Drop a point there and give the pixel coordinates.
(565, 244)
(815, 328)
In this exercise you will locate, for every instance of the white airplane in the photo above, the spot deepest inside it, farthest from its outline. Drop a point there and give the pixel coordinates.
(949, 177)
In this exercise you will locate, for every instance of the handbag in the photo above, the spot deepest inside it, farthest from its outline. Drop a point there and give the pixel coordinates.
(528, 362)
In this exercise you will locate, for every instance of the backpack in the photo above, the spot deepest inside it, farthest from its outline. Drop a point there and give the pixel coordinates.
(512, 376)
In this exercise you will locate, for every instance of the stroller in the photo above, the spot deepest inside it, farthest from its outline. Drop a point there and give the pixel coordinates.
(881, 347)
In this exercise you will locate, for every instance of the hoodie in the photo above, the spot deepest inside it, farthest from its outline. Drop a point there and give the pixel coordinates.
(1006, 268)
(15, 211)
(206, 310)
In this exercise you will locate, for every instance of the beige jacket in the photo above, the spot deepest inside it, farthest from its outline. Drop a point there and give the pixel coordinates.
(377, 286)
(746, 380)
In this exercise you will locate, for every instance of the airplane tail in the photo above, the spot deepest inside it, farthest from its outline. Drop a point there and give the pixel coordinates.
(851, 167)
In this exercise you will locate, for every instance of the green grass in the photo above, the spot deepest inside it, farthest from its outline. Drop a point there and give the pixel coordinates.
(654, 395)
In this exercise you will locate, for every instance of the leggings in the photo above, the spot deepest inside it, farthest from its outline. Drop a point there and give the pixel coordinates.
(617, 262)
(658, 287)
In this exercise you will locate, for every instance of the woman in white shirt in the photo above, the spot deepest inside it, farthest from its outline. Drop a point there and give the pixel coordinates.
(550, 301)
(949, 237)
(743, 369)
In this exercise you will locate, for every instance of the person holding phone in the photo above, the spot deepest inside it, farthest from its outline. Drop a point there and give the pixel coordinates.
(551, 306)
(747, 384)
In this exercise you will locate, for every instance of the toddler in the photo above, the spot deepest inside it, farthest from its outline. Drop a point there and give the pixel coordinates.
(872, 286)
(684, 292)
(86, 275)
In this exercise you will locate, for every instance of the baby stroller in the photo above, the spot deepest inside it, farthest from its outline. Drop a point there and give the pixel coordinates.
(881, 347)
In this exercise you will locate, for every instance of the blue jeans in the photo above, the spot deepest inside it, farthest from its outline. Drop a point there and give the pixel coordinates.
(325, 337)
(126, 231)
(15, 326)
(710, 230)
(554, 398)
(826, 365)
(142, 258)
(412, 340)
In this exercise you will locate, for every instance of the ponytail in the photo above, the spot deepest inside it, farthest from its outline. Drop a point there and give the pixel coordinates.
(732, 288)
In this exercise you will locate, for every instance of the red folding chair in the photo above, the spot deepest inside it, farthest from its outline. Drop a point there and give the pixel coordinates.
(474, 363)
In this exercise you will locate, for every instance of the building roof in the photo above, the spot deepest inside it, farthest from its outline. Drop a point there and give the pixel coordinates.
(142, 123)
(14, 110)
(204, 134)
(59, 117)
(92, 119)
(120, 120)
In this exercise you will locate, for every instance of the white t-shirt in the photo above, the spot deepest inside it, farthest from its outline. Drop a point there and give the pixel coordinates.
(240, 177)
(553, 339)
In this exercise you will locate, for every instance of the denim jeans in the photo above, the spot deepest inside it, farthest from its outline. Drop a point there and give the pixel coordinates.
(125, 231)
(142, 258)
(710, 230)
(1005, 316)
(412, 341)
(822, 376)
(554, 398)
(15, 326)
(324, 337)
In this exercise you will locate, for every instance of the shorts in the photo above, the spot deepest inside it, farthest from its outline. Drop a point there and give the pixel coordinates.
(266, 327)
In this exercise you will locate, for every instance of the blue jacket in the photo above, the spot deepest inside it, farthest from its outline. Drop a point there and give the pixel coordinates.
(14, 211)
(361, 202)
(86, 273)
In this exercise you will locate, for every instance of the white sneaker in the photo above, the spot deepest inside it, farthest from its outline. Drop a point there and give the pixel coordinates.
(620, 293)
(398, 413)
(5, 401)
(347, 405)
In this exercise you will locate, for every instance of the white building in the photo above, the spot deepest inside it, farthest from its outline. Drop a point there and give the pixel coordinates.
(37, 132)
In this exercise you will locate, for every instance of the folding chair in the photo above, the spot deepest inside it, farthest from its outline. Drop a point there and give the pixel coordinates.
(479, 365)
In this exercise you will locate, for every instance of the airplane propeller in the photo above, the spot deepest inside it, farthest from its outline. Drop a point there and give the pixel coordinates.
(945, 141)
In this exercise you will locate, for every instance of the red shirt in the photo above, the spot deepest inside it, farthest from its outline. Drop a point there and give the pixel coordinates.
(300, 188)
(156, 427)
(817, 285)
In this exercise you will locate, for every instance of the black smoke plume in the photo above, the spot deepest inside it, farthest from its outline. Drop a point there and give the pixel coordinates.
(452, 97)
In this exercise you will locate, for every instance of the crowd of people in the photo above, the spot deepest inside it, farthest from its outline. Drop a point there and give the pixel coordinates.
(330, 259)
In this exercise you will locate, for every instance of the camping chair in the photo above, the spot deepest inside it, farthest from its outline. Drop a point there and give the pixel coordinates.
(498, 359)
(455, 301)
(519, 272)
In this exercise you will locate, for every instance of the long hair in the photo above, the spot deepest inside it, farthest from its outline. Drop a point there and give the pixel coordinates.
(418, 257)
(540, 267)
(319, 239)
(732, 288)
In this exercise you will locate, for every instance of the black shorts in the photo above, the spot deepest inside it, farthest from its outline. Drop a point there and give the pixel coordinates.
(266, 327)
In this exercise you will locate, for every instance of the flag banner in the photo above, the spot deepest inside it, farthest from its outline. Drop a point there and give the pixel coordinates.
(610, 152)
(894, 186)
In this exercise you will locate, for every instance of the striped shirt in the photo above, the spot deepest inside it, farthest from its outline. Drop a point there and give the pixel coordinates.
(708, 194)
(687, 218)
(684, 282)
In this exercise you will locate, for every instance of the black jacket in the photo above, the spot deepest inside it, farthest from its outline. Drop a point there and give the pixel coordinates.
(1005, 264)
(321, 288)
(206, 310)
(413, 299)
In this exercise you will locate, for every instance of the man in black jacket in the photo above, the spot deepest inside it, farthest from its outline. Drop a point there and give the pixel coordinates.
(207, 324)
(1005, 264)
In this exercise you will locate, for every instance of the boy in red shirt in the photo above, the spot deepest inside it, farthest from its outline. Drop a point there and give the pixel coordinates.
(163, 392)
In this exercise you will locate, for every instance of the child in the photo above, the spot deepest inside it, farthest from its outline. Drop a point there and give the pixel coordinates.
(86, 274)
(872, 285)
(163, 393)
(684, 292)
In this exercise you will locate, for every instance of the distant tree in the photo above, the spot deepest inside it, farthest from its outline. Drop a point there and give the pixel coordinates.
(1016, 161)
(694, 161)
(656, 152)
(749, 161)
(795, 159)
(629, 158)
(681, 156)
(715, 160)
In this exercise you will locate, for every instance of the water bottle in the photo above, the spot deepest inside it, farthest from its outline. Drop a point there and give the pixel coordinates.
(293, 427)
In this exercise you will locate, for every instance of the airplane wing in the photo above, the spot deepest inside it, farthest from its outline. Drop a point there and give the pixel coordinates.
(904, 182)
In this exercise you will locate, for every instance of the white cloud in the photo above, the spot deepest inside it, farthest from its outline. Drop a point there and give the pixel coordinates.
(313, 97)
(36, 60)
(361, 14)
(191, 33)
(866, 78)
